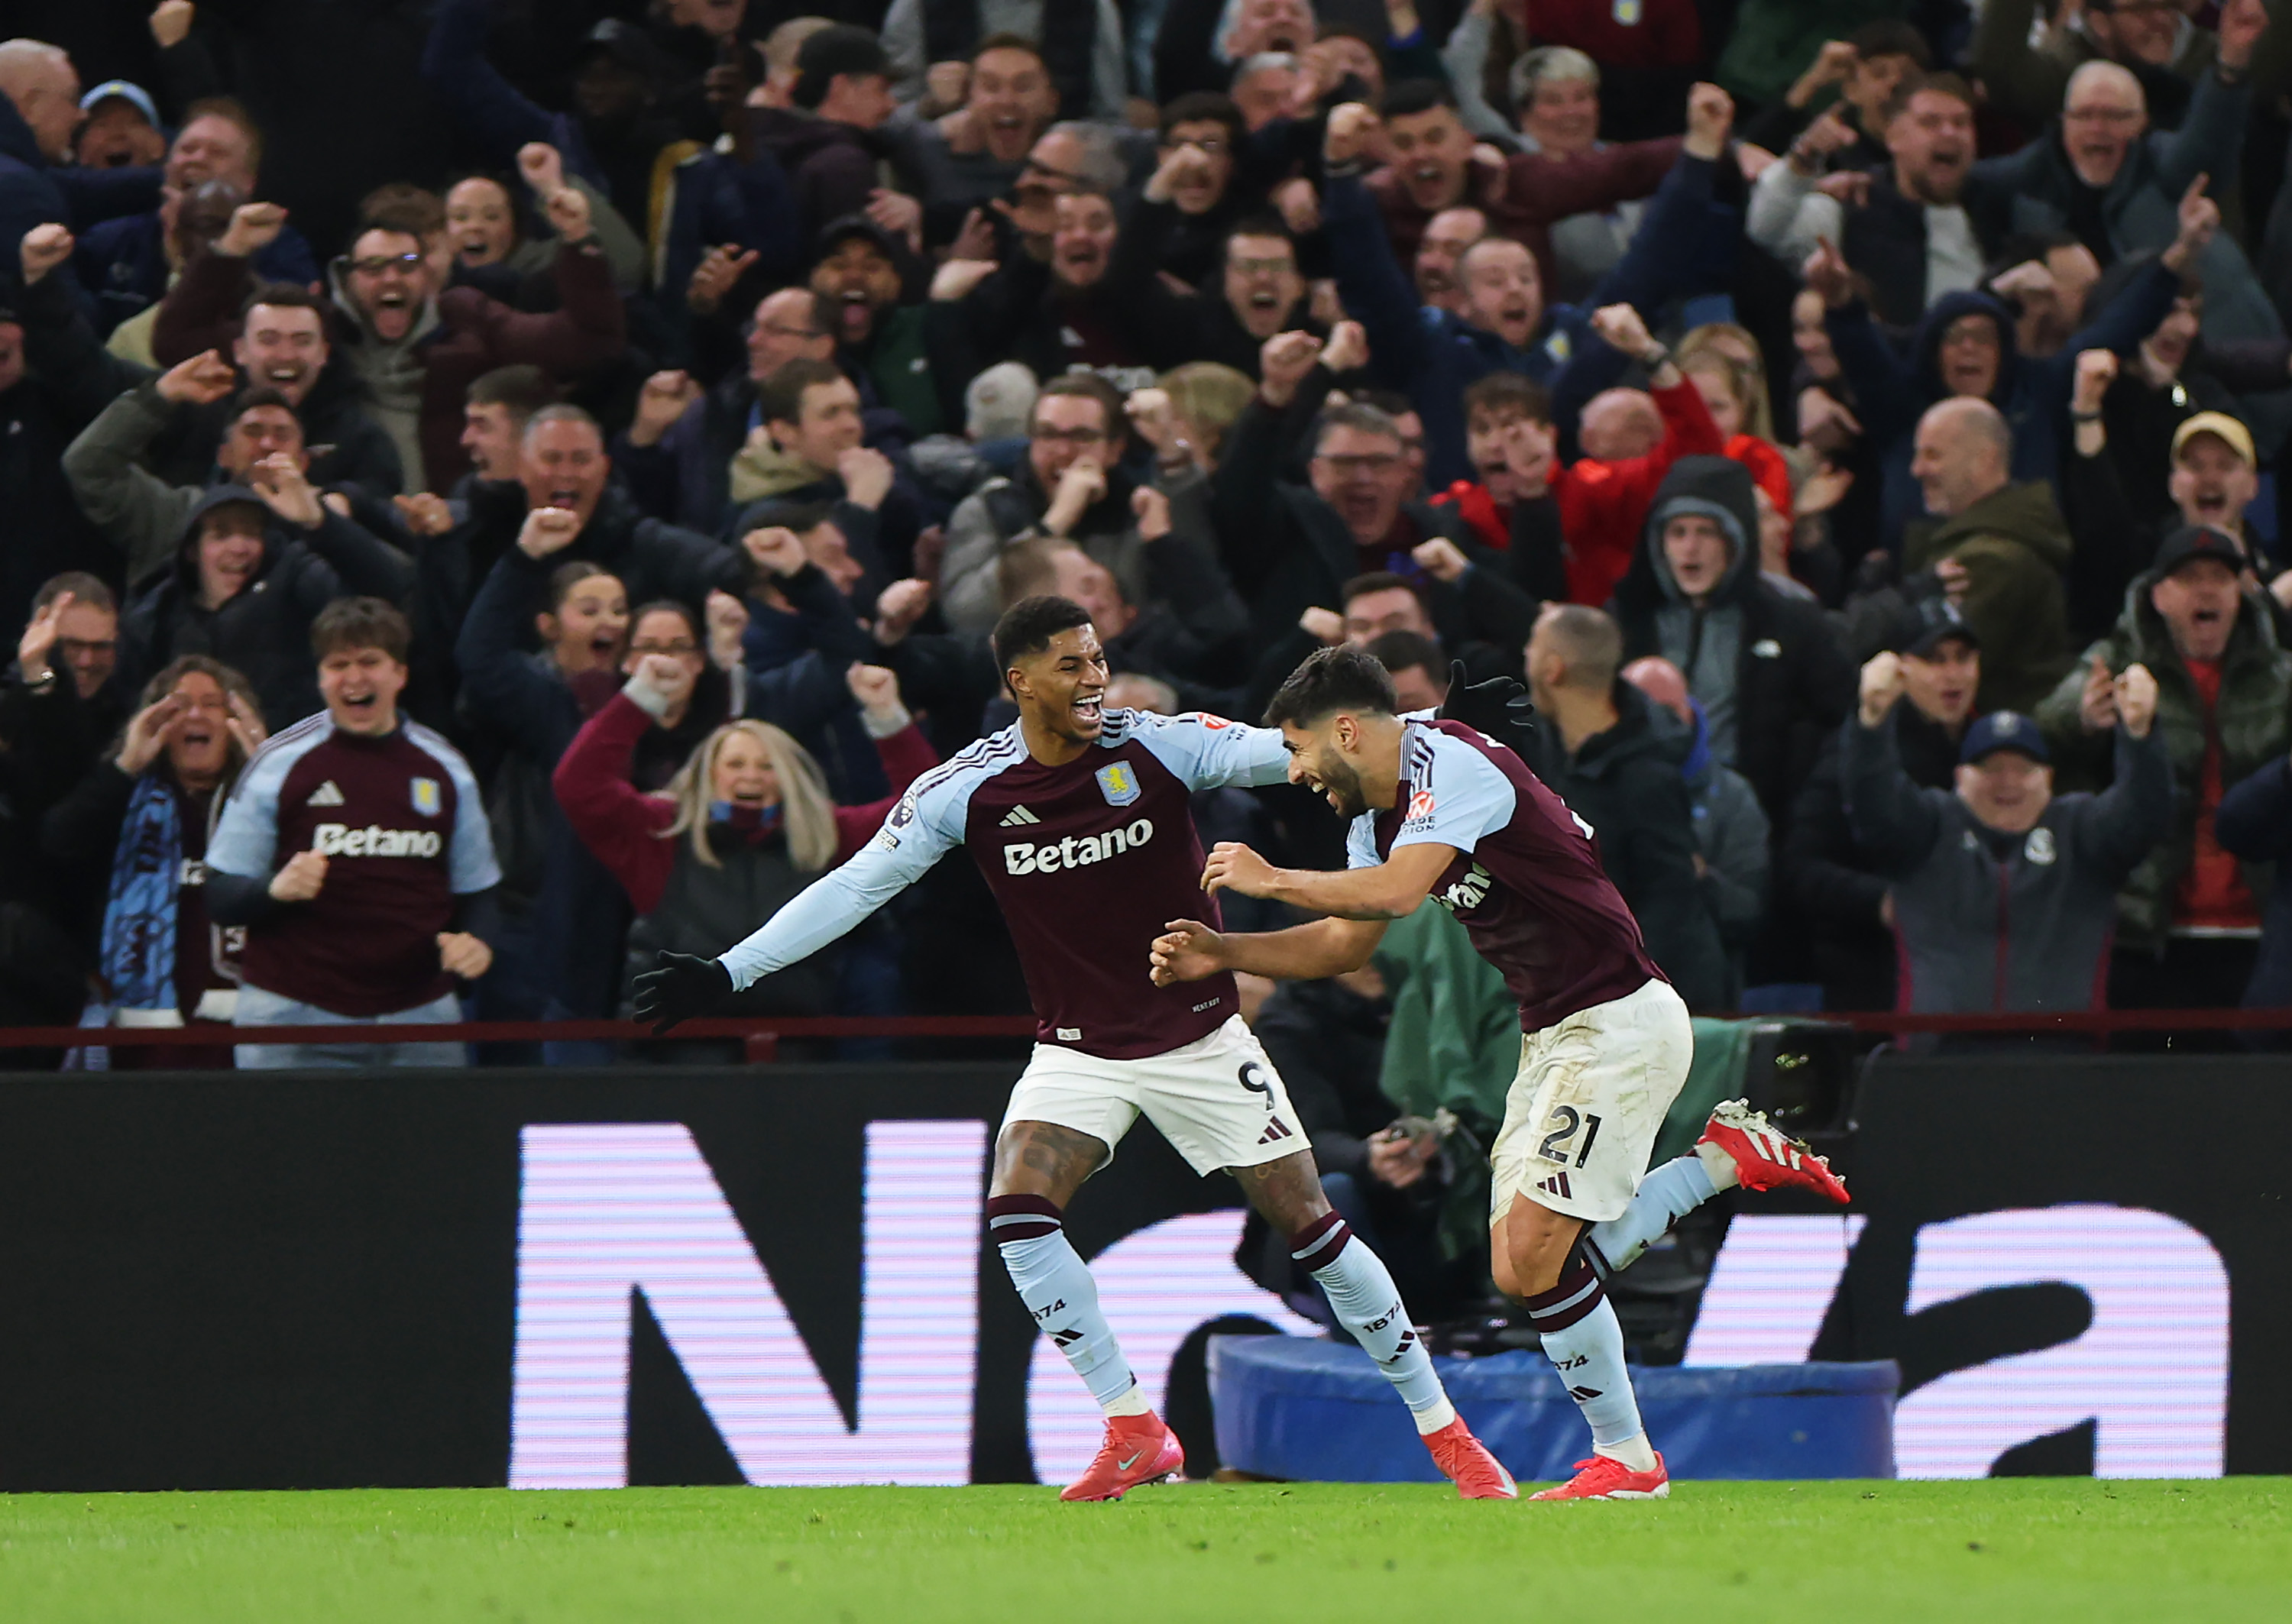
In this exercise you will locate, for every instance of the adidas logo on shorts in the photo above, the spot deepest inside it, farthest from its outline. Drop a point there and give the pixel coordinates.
(1557, 1184)
(1018, 817)
(1276, 1130)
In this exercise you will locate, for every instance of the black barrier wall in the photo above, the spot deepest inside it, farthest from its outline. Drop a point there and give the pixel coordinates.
(284, 1280)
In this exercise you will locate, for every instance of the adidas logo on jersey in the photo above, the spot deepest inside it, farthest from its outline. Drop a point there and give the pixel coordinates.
(341, 840)
(1076, 850)
(328, 794)
(1018, 816)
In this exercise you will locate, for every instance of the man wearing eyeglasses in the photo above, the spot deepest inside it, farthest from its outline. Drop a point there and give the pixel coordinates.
(1070, 487)
(2153, 39)
(62, 705)
(2105, 175)
(416, 346)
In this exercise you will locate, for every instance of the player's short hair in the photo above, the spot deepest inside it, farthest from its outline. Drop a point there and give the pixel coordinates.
(360, 623)
(1400, 651)
(1029, 625)
(1508, 394)
(779, 399)
(87, 589)
(1330, 680)
(283, 296)
(523, 389)
(1416, 96)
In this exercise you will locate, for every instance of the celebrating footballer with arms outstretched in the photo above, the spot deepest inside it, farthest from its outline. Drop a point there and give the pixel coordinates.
(1440, 810)
(1081, 819)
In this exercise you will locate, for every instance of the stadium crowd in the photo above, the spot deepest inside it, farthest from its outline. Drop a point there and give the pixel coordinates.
(623, 421)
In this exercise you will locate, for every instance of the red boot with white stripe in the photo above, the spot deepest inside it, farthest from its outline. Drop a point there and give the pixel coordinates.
(1766, 1157)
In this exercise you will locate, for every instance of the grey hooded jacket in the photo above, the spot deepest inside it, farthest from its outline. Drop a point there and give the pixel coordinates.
(1986, 921)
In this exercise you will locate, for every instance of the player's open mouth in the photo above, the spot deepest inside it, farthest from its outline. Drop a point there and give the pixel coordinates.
(289, 371)
(565, 496)
(1088, 712)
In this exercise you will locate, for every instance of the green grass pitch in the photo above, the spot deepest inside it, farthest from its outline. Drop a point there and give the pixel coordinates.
(1978, 1552)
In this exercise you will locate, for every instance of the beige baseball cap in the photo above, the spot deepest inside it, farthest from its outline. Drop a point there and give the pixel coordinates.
(2238, 437)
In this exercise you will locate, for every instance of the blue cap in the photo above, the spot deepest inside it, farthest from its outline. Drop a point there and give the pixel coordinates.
(2003, 730)
(134, 95)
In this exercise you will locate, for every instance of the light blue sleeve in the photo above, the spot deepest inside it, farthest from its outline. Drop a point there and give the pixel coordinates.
(1455, 794)
(245, 840)
(469, 865)
(1361, 842)
(1203, 752)
(925, 826)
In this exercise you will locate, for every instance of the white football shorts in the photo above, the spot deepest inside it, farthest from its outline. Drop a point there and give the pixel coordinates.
(1583, 1109)
(1218, 1099)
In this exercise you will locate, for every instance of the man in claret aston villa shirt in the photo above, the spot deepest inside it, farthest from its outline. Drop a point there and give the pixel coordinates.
(1079, 818)
(355, 851)
(1442, 812)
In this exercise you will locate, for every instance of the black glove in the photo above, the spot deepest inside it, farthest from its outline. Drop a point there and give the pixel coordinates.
(682, 987)
(1499, 707)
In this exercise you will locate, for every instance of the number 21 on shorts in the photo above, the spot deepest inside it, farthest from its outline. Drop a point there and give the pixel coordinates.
(1563, 1125)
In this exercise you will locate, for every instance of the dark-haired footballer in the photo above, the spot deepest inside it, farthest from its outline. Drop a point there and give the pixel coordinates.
(1079, 818)
(1440, 810)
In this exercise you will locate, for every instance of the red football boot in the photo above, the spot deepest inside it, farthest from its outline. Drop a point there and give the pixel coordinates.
(1138, 1449)
(1601, 1478)
(1466, 1461)
(1766, 1157)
